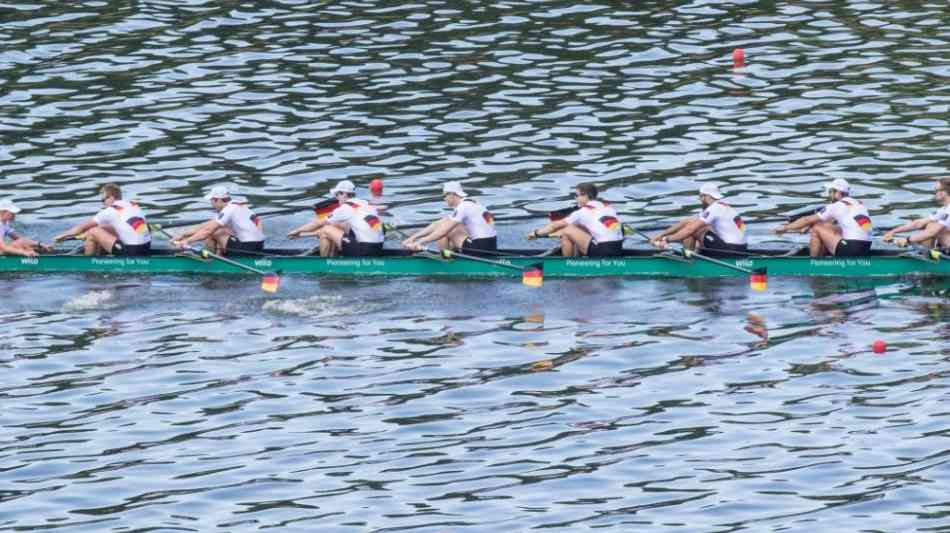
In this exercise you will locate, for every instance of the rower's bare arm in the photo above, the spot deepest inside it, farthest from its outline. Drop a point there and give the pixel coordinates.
(203, 232)
(686, 228)
(800, 225)
(307, 228)
(929, 232)
(76, 230)
(548, 229)
(920, 223)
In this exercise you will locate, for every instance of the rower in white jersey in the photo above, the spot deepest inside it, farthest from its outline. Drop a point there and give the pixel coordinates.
(718, 229)
(842, 228)
(235, 230)
(593, 230)
(118, 229)
(11, 242)
(932, 231)
(469, 229)
(353, 229)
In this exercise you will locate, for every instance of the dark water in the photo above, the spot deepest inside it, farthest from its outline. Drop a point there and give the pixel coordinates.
(196, 404)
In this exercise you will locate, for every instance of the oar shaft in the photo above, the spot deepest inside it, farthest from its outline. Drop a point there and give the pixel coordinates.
(481, 260)
(688, 253)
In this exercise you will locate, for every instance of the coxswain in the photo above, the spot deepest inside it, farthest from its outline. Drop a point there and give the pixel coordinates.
(593, 230)
(470, 228)
(718, 229)
(235, 229)
(842, 228)
(11, 242)
(118, 229)
(353, 229)
(932, 231)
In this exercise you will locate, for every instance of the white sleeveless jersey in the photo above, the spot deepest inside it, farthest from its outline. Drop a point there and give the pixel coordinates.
(363, 219)
(851, 216)
(600, 220)
(725, 222)
(242, 222)
(942, 216)
(478, 221)
(128, 221)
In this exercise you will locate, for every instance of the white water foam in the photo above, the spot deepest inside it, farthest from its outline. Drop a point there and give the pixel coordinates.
(92, 301)
(317, 306)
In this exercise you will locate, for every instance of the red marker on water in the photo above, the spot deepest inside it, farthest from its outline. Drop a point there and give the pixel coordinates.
(879, 346)
(376, 187)
(738, 58)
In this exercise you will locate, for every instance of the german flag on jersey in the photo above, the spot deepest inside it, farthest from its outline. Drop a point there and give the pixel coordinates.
(610, 222)
(257, 222)
(863, 221)
(324, 208)
(138, 224)
(739, 223)
(489, 218)
(373, 222)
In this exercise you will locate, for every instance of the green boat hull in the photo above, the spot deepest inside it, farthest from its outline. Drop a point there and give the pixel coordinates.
(640, 264)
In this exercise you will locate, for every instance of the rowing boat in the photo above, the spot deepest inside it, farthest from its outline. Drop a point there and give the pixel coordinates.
(635, 263)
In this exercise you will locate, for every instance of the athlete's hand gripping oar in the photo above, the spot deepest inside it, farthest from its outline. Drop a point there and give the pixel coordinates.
(532, 276)
(933, 253)
(270, 281)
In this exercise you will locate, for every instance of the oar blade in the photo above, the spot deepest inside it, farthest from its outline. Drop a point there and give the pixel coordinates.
(533, 276)
(270, 282)
(759, 280)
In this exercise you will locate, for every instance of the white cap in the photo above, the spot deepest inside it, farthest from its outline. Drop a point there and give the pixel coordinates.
(344, 186)
(711, 189)
(218, 191)
(839, 185)
(7, 205)
(453, 187)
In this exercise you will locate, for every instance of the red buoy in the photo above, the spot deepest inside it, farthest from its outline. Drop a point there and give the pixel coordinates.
(738, 58)
(376, 187)
(879, 346)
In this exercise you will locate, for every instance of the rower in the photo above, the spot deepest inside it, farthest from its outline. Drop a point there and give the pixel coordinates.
(851, 237)
(470, 228)
(118, 229)
(718, 229)
(11, 242)
(353, 229)
(235, 230)
(932, 231)
(593, 230)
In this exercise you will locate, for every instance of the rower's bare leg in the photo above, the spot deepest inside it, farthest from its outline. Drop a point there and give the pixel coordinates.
(943, 239)
(22, 245)
(574, 241)
(331, 241)
(824, 239)
(218, 241)
(99, 241)
(455, 239)
(695, 241)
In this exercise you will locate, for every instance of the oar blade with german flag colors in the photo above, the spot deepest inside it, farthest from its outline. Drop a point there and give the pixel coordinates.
(759, 280)
(324, 208)
(533, 275)
(270, 282)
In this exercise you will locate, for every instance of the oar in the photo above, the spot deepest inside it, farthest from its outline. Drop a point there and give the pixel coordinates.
(270, 281)
(322, 209)
(933, 253)
(758, 279)
(532, 276)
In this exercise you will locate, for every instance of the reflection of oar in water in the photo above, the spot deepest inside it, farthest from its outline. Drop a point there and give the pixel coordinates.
(270, 281)
(532, 276)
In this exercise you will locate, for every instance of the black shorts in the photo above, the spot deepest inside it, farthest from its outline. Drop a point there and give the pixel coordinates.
(605, 249)
(852, 248)
(354, 248)
(236, 247)
(713, 245)
(485, 244)
(131, 250)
